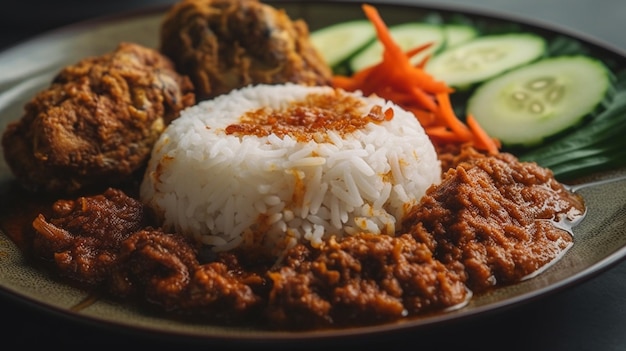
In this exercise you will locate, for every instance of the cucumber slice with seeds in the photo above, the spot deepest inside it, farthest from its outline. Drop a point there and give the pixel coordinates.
(407, 36)
(456, 34)
(485, 57)
(526, 105)
(339, 42)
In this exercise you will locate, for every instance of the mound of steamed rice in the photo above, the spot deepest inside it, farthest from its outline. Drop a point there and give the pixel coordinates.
(227, 190)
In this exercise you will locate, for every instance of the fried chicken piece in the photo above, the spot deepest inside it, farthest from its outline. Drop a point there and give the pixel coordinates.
(228, 44)
(97, 121)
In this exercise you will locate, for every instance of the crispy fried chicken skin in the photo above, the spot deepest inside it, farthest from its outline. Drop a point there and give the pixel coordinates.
(97, 121)
(227, 44)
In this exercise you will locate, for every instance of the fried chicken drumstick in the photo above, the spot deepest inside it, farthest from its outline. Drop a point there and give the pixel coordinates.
(97, 121)
(228, 44)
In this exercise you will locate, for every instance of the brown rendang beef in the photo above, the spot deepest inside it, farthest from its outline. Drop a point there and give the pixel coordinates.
(488, 223)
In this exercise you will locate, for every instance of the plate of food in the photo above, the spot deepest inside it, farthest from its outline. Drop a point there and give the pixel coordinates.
(289, 170)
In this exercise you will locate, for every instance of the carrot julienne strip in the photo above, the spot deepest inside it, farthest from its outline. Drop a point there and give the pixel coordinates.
(397, 79)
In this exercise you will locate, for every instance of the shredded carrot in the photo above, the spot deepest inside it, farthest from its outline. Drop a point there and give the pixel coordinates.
(442, 135)
(450, 119)
(424, 117)
(397, 79)
(481, 138)
(418, 49)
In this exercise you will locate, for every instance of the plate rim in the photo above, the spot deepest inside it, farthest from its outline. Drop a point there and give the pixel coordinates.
(332, 334)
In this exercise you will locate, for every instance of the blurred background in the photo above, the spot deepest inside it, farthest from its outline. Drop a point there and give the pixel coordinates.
(22, 19)
(601, 19)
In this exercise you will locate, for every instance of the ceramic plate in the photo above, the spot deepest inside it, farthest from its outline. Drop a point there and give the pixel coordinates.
(600, 241)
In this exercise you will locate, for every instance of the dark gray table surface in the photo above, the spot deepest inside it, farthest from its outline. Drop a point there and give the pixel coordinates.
(588, 316)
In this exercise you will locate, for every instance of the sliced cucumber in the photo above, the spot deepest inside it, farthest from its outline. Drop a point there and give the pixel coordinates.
(456, 34)
(407, 36)
(484, 57)
(526, 105)
(339, 42)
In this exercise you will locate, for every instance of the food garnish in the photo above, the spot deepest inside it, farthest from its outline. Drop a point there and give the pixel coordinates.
(587, 139)
(396, 78)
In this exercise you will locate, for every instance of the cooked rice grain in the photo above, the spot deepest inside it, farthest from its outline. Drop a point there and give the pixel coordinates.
(226, 189)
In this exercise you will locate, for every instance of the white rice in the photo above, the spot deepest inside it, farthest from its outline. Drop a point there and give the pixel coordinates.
(226, 190)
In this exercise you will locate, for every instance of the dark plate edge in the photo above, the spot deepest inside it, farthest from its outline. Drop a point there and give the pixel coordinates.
(288, 338)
